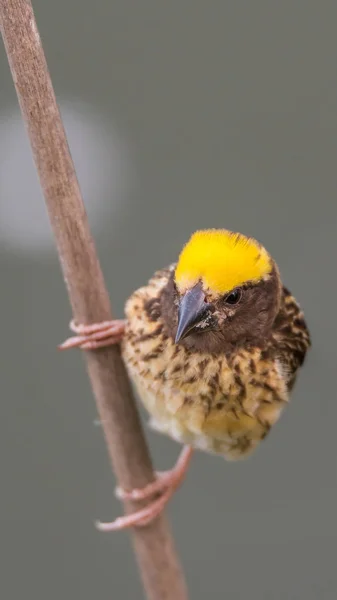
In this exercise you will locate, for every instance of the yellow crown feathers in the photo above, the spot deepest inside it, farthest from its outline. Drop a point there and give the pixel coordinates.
(222, 259)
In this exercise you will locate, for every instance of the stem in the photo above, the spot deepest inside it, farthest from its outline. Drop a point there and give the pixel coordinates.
(160, 569)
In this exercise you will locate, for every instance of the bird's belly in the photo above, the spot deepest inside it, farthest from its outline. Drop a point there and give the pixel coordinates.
(234, 434)
(201, 400)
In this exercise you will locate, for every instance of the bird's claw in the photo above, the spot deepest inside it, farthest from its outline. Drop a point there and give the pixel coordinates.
(96, 335)
(161, 483)
(166, 484)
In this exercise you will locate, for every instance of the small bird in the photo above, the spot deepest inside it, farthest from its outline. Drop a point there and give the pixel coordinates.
(213, 344)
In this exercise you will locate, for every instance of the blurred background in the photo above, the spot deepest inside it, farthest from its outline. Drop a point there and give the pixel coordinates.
(180, 115)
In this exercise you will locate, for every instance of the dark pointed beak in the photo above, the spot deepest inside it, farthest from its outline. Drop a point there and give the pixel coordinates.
(191, 311)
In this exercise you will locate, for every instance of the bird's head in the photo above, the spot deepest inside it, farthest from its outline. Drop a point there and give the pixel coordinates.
(226, 292)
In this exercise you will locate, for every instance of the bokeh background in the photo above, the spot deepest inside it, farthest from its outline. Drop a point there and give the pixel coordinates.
(180, 115)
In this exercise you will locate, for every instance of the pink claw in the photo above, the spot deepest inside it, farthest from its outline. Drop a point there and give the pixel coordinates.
(162, 482)
(166, 484)
(96, 335)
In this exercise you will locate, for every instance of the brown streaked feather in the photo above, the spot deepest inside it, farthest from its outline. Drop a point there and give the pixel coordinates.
(223, 401)
(291, 336)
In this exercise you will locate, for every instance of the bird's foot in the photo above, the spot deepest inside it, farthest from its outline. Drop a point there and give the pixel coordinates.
(97, 335)
(166, 484)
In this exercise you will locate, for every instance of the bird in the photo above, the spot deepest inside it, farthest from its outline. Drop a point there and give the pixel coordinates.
(213, 344)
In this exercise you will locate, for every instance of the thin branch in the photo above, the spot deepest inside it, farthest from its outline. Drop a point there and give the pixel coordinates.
(161, 573)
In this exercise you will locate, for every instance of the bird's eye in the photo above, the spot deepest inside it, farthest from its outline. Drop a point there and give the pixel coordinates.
(234, 297)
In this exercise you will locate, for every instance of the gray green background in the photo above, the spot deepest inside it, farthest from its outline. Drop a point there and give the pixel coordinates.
(180, 115)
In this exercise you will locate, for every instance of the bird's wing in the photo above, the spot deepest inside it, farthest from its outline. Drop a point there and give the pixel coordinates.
(291, 335)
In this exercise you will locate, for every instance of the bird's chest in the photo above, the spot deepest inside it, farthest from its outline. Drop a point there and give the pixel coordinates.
(196, 398)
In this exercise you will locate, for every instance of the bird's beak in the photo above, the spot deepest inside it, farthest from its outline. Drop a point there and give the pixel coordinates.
(191, 311)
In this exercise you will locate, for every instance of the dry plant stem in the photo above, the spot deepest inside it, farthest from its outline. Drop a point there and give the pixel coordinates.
(154, 547)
